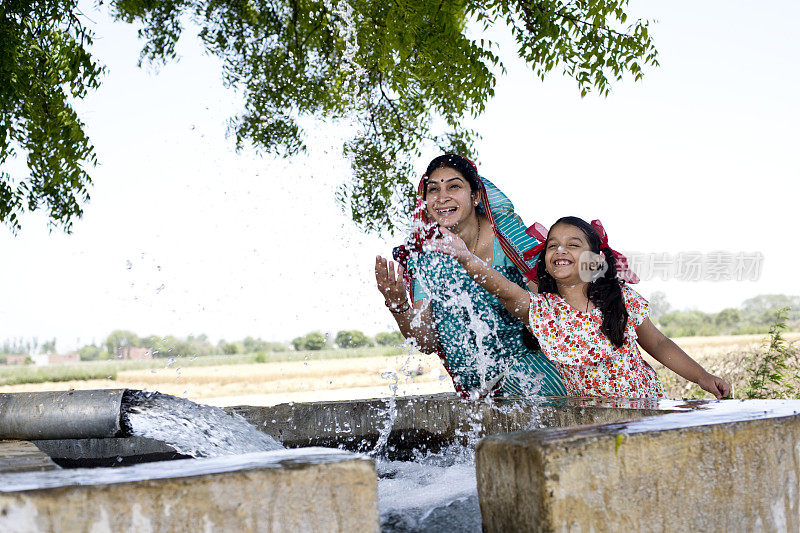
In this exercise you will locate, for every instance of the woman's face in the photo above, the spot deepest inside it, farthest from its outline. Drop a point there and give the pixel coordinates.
(565, 244)
(448, 198)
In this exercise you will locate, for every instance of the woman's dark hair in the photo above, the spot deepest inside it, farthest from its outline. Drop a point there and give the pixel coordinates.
(605, 292)
(456, 162)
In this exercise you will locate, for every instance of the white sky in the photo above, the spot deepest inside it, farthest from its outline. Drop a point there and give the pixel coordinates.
(183, 235)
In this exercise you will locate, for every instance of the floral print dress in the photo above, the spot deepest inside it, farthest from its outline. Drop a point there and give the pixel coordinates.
(589, 363)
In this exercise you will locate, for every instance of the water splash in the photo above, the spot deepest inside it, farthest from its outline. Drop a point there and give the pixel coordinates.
(390, 413)
(436, 493)
(190, 428)
(479, 331)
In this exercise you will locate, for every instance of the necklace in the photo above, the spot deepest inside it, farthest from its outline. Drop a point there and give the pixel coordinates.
(477, 237)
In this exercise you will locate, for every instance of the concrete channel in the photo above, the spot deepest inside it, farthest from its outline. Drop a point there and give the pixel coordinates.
(566, 464)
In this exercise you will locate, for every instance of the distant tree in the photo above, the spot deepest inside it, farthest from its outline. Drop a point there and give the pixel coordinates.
(45, 66)
(120, 338)
(231, 348)
(90, 352)
(252, 345)
(412, 73)
(49, 346)
(276, 347)
(299, 343)
(19, 346)
(659, 305)
(727, 317)
(687, 324)
(762, 309)
(352, 339)
(315, 341)
(385, 338)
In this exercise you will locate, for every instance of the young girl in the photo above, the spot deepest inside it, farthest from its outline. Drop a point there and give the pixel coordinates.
(585, 317)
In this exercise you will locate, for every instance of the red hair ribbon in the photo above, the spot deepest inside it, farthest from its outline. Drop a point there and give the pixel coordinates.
(624, 271)
(538, 232)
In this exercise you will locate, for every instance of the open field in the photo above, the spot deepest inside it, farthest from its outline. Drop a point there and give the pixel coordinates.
(88, 370)
(237, 380)
(271, 383)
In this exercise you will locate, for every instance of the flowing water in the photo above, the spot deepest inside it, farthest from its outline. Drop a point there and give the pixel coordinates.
(192, 429)
(436, 493)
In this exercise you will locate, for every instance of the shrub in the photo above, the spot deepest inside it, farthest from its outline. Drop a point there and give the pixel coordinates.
(315, 341)
(90, 352)
(299, 343)
(231, 348)
(352, 339)
(394, 338)
(261, 357)
(770, 372)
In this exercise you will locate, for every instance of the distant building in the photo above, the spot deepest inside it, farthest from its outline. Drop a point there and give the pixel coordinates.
(62, 358)
(16, 359)
(133, 354)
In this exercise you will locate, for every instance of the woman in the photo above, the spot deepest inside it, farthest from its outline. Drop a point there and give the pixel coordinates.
(480, 342)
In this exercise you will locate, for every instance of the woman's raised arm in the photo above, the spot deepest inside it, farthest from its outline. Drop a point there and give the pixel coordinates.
(414, 322)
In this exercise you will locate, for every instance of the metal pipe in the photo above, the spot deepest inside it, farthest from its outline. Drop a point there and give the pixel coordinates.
(75, 414)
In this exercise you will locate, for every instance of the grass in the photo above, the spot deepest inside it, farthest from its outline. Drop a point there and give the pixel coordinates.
(730, 360)
(88, 370)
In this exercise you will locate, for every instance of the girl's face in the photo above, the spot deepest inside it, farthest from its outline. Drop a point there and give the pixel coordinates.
(448, 198)
(565, 244)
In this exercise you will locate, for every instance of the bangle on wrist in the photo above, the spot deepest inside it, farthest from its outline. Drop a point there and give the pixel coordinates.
(405, 306)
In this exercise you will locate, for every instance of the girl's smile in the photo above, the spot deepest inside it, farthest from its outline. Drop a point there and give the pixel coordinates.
(565, 244)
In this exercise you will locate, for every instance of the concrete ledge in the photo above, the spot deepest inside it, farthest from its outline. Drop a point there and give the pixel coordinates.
(725, 466)
(434, 418)
(23, 456)
(287, 490)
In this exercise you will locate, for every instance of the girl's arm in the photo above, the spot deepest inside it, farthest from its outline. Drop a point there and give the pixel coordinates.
(415, 322)
(671, 356)
(512, 296)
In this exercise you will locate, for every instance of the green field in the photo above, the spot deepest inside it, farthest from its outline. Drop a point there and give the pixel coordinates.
(17, 375)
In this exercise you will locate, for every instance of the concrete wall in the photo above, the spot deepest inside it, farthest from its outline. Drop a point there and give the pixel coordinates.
(441, 418)
(580, 465)
(284, 491)
(679, 472)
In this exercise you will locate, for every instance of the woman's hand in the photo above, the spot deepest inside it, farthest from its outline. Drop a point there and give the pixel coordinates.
(449, 243)
(391, 285)
(715, 385)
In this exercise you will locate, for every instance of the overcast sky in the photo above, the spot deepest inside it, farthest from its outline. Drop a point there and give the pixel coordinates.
(185, 236)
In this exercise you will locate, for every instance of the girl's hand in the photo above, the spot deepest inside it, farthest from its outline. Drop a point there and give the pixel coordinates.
(449, 243)
(391, 285)
(715, 385)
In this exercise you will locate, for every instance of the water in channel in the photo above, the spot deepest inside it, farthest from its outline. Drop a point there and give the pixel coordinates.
(191, 429)
(436, 492)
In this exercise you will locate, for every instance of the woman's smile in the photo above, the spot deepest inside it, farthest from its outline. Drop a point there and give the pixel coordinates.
(448, 197)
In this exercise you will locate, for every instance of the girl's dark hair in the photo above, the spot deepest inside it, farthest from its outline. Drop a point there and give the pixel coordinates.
(605, 293)
(456, 162)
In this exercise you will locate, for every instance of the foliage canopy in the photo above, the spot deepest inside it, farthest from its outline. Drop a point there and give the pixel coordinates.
(410, 73)
(44, 65)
